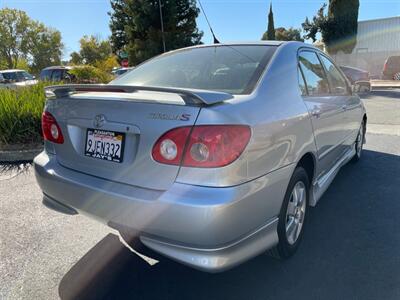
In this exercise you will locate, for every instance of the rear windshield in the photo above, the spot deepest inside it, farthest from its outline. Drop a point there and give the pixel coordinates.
(232, 69)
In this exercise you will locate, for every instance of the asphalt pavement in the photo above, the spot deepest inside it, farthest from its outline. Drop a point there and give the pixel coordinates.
(350, 250)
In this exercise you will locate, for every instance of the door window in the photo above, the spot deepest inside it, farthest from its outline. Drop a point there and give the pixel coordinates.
(314, 74)
(45, 75)
(57, 75)
(336, 80)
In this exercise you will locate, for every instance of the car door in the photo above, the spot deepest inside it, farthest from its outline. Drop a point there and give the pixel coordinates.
(326, 111)
(351, 105)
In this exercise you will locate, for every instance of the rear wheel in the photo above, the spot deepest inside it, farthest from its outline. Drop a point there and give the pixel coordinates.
(359, 143)
(292, 215)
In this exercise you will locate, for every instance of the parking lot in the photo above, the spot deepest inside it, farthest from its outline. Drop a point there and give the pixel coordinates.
(350, 249)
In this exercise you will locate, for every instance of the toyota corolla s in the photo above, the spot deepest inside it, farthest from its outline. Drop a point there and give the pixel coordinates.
(211, 155)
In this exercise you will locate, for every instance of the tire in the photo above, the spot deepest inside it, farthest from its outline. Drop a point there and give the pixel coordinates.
(289, 243)
(359, 143)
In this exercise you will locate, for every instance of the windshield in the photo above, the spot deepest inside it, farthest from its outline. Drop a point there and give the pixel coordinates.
(232, 69)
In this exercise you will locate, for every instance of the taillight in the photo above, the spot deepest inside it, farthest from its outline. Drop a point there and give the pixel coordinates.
(51, 130)
(385, 66)
(170, 146)
(203, 146)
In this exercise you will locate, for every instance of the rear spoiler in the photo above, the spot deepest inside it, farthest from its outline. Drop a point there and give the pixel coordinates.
(190, 96)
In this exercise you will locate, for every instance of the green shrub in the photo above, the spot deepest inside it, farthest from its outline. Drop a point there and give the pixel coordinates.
(20, 115)
(90, 74)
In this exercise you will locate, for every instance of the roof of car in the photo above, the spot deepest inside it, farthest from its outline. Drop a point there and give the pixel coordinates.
(12, 70)
(268, 43)
(244, 43)
(58, 67)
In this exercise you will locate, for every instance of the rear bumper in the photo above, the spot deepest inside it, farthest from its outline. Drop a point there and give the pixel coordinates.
(211, 229)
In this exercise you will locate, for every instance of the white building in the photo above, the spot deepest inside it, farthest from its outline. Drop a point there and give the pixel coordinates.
(376, 40)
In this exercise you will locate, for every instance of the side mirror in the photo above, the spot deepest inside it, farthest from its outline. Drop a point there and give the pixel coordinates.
(33, 77)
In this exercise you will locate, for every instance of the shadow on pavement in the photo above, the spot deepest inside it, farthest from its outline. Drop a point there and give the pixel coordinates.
(350, 250)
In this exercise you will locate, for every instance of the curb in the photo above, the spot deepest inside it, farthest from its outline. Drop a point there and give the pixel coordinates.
(19, 155)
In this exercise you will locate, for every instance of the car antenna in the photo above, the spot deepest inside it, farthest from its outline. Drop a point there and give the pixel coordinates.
(209, 25)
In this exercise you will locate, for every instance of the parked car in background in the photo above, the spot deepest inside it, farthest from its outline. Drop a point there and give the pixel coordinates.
(57, 74)
(359, 76)
(209, 155)
(391, 68)
(16, 78)
(120, 71)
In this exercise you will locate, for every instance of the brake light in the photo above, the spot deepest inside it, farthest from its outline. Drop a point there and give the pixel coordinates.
(170, 146)
(50, 129)
(203, 146)
(385, 66)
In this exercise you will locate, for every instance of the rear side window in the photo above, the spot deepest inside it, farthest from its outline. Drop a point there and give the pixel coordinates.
(336, 80)
(11, 76)
(234, 69)
(314, 74)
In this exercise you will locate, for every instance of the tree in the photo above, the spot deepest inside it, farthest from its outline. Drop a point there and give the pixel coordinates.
(94, 49)
(14, 39)
(120, 17)
(270, 33)
(136, 27)
(338, 27)
(23, 39)
(95, 52)
(45, 48)
(291, 34)
(108, 64)
(76, 58)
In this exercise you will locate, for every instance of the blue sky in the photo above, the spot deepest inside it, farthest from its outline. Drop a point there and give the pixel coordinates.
(233, 20)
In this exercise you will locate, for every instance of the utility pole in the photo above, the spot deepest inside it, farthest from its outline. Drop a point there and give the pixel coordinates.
(162, 25)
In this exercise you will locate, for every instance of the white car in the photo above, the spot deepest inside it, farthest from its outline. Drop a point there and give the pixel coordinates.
(13, 79)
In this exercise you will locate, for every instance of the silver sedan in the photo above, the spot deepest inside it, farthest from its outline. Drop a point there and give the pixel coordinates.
(209, 155)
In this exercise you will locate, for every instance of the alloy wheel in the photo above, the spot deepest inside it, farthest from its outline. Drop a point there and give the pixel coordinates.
(296, 212)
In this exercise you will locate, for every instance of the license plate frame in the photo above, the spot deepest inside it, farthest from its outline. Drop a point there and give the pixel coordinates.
(106, 153)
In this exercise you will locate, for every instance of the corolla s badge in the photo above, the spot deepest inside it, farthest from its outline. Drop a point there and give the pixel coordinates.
(99, 121)
(169, 117)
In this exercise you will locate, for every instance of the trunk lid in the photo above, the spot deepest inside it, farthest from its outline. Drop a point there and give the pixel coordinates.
(143, 116)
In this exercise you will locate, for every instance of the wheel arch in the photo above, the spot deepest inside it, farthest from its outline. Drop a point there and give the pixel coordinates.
(308, 162)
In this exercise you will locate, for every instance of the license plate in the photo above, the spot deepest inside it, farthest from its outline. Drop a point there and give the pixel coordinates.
(106, 145)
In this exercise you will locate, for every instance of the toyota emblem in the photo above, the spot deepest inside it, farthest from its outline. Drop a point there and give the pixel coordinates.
(99, 121)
